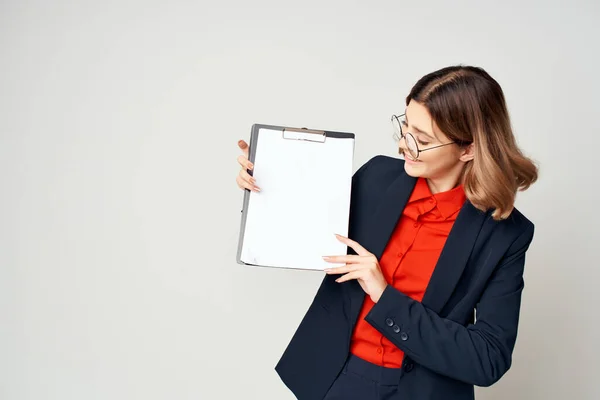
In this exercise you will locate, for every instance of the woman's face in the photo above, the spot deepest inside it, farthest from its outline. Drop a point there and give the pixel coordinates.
(435, 163)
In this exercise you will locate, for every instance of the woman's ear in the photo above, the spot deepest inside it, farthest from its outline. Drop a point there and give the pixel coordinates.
(468, 153)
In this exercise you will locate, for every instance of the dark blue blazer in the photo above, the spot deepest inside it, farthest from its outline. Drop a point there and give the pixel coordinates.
(447, 350)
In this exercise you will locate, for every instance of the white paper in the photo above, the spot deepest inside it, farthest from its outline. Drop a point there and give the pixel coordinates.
(304, 200)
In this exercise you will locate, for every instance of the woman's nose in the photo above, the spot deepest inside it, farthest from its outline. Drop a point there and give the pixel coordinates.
(402, 143)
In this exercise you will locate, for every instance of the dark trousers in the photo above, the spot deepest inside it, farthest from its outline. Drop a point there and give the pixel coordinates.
(362, 380)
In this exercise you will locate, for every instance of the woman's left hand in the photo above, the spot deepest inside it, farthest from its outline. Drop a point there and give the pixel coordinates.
(363, 267)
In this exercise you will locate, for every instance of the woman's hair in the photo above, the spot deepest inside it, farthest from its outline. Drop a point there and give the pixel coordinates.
(468, 105)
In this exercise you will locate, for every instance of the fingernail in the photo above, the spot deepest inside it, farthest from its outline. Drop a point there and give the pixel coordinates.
(326, 258)
(251, 165)
(257, 189)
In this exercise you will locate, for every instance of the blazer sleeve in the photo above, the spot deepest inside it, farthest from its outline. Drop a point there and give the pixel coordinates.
(478, 354)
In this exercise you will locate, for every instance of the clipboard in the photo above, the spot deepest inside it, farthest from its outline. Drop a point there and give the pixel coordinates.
(305, 176)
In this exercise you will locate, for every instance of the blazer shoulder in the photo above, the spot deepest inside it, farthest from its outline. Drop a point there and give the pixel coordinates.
(518, 219)
(517, 228)
(382, 163)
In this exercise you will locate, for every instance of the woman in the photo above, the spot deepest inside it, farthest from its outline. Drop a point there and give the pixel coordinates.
(425, 305)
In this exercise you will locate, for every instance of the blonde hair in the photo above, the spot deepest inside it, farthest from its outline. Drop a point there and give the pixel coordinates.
(468, 106)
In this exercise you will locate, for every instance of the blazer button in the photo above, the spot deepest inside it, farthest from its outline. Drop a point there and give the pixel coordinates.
(408, 367)
(396, 328)
(389, 322)
(404, 336)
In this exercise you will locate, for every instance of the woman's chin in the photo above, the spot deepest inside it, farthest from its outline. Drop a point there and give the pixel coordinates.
(412, 170)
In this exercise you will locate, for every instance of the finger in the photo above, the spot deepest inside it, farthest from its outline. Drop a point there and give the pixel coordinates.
(246, 177)
(361, 251)
(242, 184)
(349, 276)
(244, 162)
(344, 269)
(344, 259)
(244, 146)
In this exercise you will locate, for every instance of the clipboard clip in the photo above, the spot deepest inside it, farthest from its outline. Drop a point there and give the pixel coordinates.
(310, 135)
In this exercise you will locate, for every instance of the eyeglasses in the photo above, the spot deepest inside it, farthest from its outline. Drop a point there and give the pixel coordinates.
(398, 121)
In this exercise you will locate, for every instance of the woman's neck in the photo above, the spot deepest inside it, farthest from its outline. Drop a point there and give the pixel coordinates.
(446, 182)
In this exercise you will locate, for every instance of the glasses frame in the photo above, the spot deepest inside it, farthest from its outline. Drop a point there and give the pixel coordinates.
(403, 135)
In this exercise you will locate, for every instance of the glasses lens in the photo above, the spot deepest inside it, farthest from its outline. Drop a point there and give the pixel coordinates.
(411, 145)
(397, 129)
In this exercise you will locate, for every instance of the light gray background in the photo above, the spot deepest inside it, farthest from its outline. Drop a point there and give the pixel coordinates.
(120, 213)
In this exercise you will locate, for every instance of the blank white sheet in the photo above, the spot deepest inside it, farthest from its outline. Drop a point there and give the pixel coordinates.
(304, 201)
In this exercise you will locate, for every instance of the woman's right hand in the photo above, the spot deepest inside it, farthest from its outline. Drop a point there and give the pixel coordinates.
(244, 179)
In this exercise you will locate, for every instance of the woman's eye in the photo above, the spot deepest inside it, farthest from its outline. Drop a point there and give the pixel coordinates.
(423, 143)
(404, 123)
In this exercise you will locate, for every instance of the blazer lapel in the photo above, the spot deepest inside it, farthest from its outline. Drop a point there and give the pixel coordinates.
(454, 257)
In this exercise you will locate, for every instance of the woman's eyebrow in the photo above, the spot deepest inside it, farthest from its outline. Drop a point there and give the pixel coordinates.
(417, 129)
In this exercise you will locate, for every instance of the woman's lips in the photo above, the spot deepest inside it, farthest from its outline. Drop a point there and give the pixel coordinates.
(410, 160)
